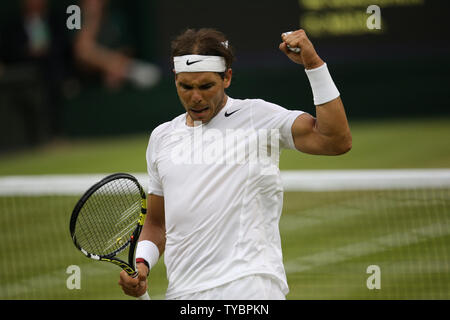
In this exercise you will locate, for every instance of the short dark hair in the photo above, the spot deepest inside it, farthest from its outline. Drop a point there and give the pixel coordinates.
(204, 41)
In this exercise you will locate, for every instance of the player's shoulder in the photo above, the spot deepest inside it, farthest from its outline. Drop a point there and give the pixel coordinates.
(167, 127)
(255, 103)
(160, 129)
(161, 133)
(247, 102)
(263, 104)
(249, 105)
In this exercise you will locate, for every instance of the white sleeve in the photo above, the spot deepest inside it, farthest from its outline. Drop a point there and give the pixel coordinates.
(266, 115)
(154, 181)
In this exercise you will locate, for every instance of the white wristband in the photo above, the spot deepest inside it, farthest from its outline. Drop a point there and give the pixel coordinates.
(322, 85)
(148, 251)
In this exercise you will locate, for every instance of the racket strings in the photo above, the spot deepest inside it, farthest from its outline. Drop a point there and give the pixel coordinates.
(109, 217)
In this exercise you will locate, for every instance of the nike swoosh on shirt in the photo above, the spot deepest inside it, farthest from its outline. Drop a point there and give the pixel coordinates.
(192, 62)
(229, 114)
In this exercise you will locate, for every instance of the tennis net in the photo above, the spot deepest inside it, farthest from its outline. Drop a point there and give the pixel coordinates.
(358, 234)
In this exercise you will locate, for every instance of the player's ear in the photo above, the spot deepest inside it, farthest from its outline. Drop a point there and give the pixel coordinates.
(227, 78)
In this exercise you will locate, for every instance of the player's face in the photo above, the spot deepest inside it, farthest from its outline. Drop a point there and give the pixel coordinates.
(202, 94)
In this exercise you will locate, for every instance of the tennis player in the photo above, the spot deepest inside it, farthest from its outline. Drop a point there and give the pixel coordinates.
(213, 210)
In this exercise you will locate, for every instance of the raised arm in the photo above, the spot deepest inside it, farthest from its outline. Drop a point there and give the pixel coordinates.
(328, 133)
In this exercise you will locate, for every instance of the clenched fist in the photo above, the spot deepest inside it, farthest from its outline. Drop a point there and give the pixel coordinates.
(307, 56)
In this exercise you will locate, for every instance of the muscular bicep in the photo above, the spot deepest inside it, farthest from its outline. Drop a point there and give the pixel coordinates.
(328, 134)
(155, 223)
(307, 137)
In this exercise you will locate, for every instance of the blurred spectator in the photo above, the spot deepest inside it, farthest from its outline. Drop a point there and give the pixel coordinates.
(34, 51)
(100, 47)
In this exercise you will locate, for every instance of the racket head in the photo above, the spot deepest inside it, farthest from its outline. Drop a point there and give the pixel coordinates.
(108, 218)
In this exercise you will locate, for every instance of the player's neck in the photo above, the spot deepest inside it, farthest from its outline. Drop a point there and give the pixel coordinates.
(190, 121)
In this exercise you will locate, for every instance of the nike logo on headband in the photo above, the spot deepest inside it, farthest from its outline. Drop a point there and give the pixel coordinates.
(192, 62)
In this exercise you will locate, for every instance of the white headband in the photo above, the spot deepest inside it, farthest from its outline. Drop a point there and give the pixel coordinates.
(199, 63)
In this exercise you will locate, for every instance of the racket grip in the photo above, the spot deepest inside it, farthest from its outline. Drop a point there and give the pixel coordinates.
(145, 296)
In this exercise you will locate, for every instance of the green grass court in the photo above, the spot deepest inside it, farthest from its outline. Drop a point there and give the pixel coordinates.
(329, 238)
(379, 144)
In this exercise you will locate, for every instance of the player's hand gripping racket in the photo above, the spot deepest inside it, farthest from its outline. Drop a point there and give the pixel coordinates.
(108, 218)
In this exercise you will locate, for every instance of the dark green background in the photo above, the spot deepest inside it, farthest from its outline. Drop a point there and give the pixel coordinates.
(401, 73)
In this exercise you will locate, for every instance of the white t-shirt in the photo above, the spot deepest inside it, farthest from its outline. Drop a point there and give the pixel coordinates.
(222, 194)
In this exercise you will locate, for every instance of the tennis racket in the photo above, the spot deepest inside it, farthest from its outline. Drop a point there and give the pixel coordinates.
(108, 218)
